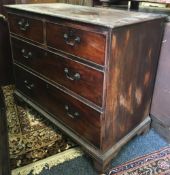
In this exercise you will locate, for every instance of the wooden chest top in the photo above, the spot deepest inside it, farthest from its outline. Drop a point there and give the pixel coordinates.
(104, 17)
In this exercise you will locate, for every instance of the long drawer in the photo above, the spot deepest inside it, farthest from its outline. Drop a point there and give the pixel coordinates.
(86, 44)
(77, 77)
(26, 27)
(74, 114)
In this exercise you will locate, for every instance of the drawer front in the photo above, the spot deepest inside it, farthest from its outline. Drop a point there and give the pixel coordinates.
(86, 44)
(79, 78)
(75, 115)
(26, 27)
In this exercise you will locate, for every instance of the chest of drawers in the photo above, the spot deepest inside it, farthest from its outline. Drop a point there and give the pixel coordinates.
(90, 71)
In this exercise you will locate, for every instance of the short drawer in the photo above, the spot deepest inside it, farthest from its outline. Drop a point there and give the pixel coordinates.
(77, 77)
(26, 27)
(77, 116)
(85, 44)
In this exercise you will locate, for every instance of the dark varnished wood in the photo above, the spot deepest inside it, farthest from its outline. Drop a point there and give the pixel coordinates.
(32, 31)
(61, 21)
(127, 51)
(132, 74)
(87, 123)
(4, 148)
(6, 75)
(89, 84)
(101, 159)
(88, 41)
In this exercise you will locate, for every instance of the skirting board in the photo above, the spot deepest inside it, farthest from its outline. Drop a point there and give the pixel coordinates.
(162, 128)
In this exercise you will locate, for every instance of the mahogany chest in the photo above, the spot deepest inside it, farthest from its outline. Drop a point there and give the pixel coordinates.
(89, 70)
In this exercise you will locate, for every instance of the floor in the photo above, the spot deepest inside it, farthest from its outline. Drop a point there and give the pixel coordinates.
(140, 145)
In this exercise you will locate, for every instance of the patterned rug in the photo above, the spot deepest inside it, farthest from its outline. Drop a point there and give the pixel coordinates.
(156, 163)
(34, 142)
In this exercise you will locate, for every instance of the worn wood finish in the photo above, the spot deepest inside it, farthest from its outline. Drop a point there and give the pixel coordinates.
(121, 59)
(26, 27)
(77, 42)
(78, 2)
(132, 75)
(6, 75)
(4, 153)
(77, 116)
(77, 77)
(109, 18)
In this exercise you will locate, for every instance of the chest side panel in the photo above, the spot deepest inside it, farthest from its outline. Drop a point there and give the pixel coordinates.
(131, 76)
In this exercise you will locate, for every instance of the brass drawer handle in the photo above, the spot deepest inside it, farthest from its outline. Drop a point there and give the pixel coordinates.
(71, 39)
(23, 24)
(71, 113)
(25, 54)
(29, 86)
(70, 75)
